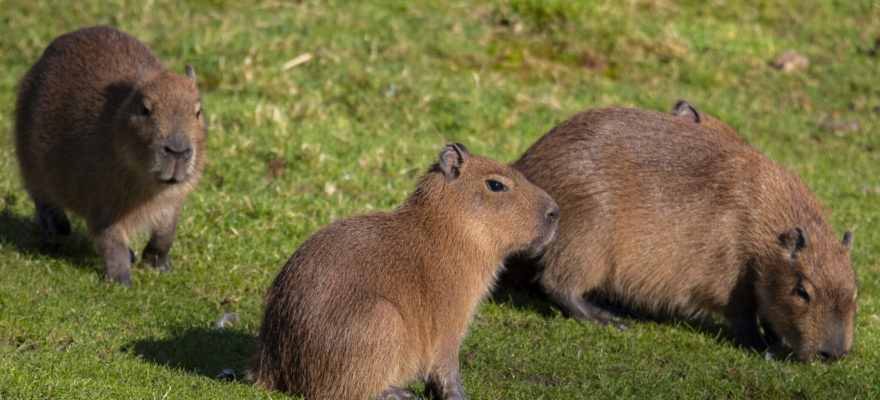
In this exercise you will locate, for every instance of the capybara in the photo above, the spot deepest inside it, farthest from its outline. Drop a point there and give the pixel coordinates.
(370, 302)
(104, 131)
(668, 216)
(685, 109)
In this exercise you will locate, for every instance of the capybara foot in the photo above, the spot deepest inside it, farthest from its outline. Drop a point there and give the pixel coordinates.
(52, 219)
(395, 393)
(579, 308)
(160, 262)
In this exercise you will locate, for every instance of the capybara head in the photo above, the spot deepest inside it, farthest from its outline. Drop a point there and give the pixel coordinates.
(496, 202)
(808, 298)
(164, 126)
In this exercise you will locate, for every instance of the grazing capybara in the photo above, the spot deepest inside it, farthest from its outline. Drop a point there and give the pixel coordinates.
(685, 109)
(370, 302)
(104, 131)
(665, 215)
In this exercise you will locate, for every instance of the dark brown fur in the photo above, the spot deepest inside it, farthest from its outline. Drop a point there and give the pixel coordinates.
(104, 131)
(666, 215)
(370, 302)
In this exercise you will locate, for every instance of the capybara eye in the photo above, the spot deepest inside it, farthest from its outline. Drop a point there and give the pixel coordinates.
(802, 292)
(495, 186)
(199, 113)
(144, 111)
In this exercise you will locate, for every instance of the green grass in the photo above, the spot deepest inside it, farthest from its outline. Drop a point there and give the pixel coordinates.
(350, 130)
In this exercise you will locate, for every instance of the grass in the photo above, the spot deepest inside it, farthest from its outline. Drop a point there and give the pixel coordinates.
(349, 130)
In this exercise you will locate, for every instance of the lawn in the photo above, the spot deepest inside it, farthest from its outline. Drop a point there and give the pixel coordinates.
(320, 110)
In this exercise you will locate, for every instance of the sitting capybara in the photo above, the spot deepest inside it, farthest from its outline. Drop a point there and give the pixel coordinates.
(685, 109)
(104, 131)
(665, 215)
(370, 302)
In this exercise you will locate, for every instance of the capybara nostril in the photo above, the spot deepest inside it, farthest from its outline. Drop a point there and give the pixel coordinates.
(552, 214)
(184, 154)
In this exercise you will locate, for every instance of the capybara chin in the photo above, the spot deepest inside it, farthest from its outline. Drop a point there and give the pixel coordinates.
(370, 302)
(104, 131)
(662, 214)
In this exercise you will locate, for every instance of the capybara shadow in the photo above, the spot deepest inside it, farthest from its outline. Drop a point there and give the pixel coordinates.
(660, 213)
(104, 131)
(205, 351)
(23, 233)
(371, 302)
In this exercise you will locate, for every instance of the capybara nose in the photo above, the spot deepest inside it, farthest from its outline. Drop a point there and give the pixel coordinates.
(831, 356)
(183, 152)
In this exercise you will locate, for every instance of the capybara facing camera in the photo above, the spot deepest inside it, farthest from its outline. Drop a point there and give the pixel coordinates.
(104, 131)
(369, 302)
(667, 215)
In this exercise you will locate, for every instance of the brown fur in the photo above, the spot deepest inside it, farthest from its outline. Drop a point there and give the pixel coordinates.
(370, 302)
(104, 131)
(663, 214)
(686, 110)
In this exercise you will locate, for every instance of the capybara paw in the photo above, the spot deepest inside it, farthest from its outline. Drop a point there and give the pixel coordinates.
(120, 276)
(395, 393)
(159, 262)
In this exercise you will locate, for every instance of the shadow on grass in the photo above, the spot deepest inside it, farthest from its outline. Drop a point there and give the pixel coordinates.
(205, 351)
(517, 288)
(23, 233)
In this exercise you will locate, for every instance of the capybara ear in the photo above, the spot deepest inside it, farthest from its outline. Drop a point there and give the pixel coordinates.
(452, 158)
(684, 108)
(191, 73)
(794, 241)
(847, 239)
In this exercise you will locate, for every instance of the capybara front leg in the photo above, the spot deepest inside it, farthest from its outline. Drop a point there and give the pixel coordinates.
(444, 383)
(156, 252)
(395, 393)
(114, 254)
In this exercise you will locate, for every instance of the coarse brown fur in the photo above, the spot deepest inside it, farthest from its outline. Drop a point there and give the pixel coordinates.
(370, 302)
(104, 131)
(662, 214)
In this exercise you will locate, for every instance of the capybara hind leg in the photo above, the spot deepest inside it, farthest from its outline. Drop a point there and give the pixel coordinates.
(395, 393)
(52, 219)
(115, 254)
(576, 306)
(156, 252)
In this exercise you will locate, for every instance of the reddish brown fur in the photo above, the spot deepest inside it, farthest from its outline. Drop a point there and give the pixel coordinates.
(370, 302)
(660, 213)
(104, 131)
